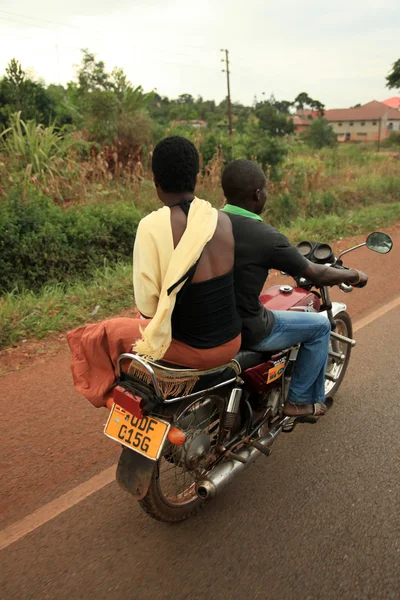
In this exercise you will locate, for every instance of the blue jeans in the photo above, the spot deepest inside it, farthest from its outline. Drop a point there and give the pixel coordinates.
(312, 330)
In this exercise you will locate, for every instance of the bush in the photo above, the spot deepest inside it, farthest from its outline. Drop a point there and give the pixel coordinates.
(319, 134)
(392, 141)
(42, 243)
(258, 145)
(282, 210)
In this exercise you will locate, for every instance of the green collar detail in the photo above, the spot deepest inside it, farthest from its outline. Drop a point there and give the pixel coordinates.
(236, 210)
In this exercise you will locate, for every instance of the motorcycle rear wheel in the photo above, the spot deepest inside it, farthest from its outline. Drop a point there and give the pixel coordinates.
(172, 496)
(338, 370)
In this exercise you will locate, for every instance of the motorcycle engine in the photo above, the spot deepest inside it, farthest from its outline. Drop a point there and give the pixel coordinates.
(271, 400)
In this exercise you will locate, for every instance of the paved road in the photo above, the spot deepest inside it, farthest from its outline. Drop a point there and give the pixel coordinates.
(319, 519)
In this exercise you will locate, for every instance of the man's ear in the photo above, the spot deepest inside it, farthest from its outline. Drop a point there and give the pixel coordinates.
(256, 195)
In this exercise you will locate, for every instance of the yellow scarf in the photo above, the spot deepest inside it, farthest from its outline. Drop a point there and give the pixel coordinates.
(157, 266)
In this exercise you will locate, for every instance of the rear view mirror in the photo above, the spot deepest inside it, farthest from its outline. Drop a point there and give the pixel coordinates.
(379, 242)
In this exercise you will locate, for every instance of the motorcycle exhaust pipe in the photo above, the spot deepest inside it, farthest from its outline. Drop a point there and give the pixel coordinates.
(226, 471)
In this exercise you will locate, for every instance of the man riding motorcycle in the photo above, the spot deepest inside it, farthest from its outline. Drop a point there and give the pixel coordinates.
(259, 248)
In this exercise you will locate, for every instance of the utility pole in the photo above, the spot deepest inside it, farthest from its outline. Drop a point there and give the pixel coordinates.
(379, 134)
(226, 70)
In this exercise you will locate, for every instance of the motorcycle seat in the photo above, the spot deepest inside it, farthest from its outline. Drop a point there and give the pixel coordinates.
(250, 358)
(206, 379)
(245, 359)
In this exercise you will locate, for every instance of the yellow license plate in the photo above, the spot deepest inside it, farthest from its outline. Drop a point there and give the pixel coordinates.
(145, 436)
(276, 372)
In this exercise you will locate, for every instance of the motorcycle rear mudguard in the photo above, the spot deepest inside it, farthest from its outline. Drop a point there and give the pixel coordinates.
(134, 473)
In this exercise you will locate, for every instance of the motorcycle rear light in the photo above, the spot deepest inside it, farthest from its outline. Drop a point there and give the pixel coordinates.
(176, 436)
(130, 402)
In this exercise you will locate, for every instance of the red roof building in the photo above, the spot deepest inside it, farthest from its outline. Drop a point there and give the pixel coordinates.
(370, 122)
(393, 102)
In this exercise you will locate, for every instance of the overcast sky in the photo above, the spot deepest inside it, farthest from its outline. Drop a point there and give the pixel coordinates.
(339, 52)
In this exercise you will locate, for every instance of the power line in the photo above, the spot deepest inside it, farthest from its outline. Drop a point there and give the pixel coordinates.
(75, 27)
(6, 12)
(125, 45)
(28, 24)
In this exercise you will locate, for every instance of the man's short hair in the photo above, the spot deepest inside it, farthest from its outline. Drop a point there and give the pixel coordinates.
(240, 179)
(175, 164)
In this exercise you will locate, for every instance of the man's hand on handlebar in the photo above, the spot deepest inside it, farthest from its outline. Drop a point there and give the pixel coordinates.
(324, 275)
(360, 279)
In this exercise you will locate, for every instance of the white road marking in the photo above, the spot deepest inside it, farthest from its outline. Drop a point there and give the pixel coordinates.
(379, 312)
(18, 530)
(49, 511)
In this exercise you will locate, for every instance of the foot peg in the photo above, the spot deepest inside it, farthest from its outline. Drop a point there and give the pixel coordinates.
(241, 459)
(261, 448)
(312, 419)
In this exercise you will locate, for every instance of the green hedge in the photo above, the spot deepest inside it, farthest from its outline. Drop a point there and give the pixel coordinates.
(41, 242)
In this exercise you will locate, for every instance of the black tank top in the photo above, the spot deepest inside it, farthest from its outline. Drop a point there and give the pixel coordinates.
(205, 313)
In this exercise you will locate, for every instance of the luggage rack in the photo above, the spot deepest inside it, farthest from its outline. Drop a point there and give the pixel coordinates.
(145, 365)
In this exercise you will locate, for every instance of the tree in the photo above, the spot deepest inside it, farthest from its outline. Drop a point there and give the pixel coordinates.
(303, 101)
(107, 105)
(283, 106)
(393, 78)
(319, 134)
(185, 99)
(319, 107)
(18, 93)
(15, 77)
(276, 123)
(92, 74)
(63, 105)
(267, 150)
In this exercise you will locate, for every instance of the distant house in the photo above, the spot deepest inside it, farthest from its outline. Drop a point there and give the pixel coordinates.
(302, 119)
(366, 123)
(191, 123)
(393, 102)
(300, 123)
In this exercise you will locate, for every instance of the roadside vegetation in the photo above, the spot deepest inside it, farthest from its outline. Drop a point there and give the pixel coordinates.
(25, 314)
(75, 180)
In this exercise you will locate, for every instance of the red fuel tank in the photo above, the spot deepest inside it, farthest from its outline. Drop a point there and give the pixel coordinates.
(286, 297)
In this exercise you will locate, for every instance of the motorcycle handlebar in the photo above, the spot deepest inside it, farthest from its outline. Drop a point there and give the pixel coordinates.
(345, 287)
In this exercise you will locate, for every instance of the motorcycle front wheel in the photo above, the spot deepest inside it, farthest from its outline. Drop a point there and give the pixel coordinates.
(335, 369)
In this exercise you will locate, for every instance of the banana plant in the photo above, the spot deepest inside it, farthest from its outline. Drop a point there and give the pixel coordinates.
(33, 147)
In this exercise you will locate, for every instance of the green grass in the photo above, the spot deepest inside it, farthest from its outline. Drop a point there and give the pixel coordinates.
(60, 307)
(330, 228)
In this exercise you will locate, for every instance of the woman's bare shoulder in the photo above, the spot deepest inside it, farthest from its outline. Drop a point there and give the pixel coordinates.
(224, 222)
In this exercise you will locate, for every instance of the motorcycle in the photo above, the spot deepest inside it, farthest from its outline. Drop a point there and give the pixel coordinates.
(180, 449)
